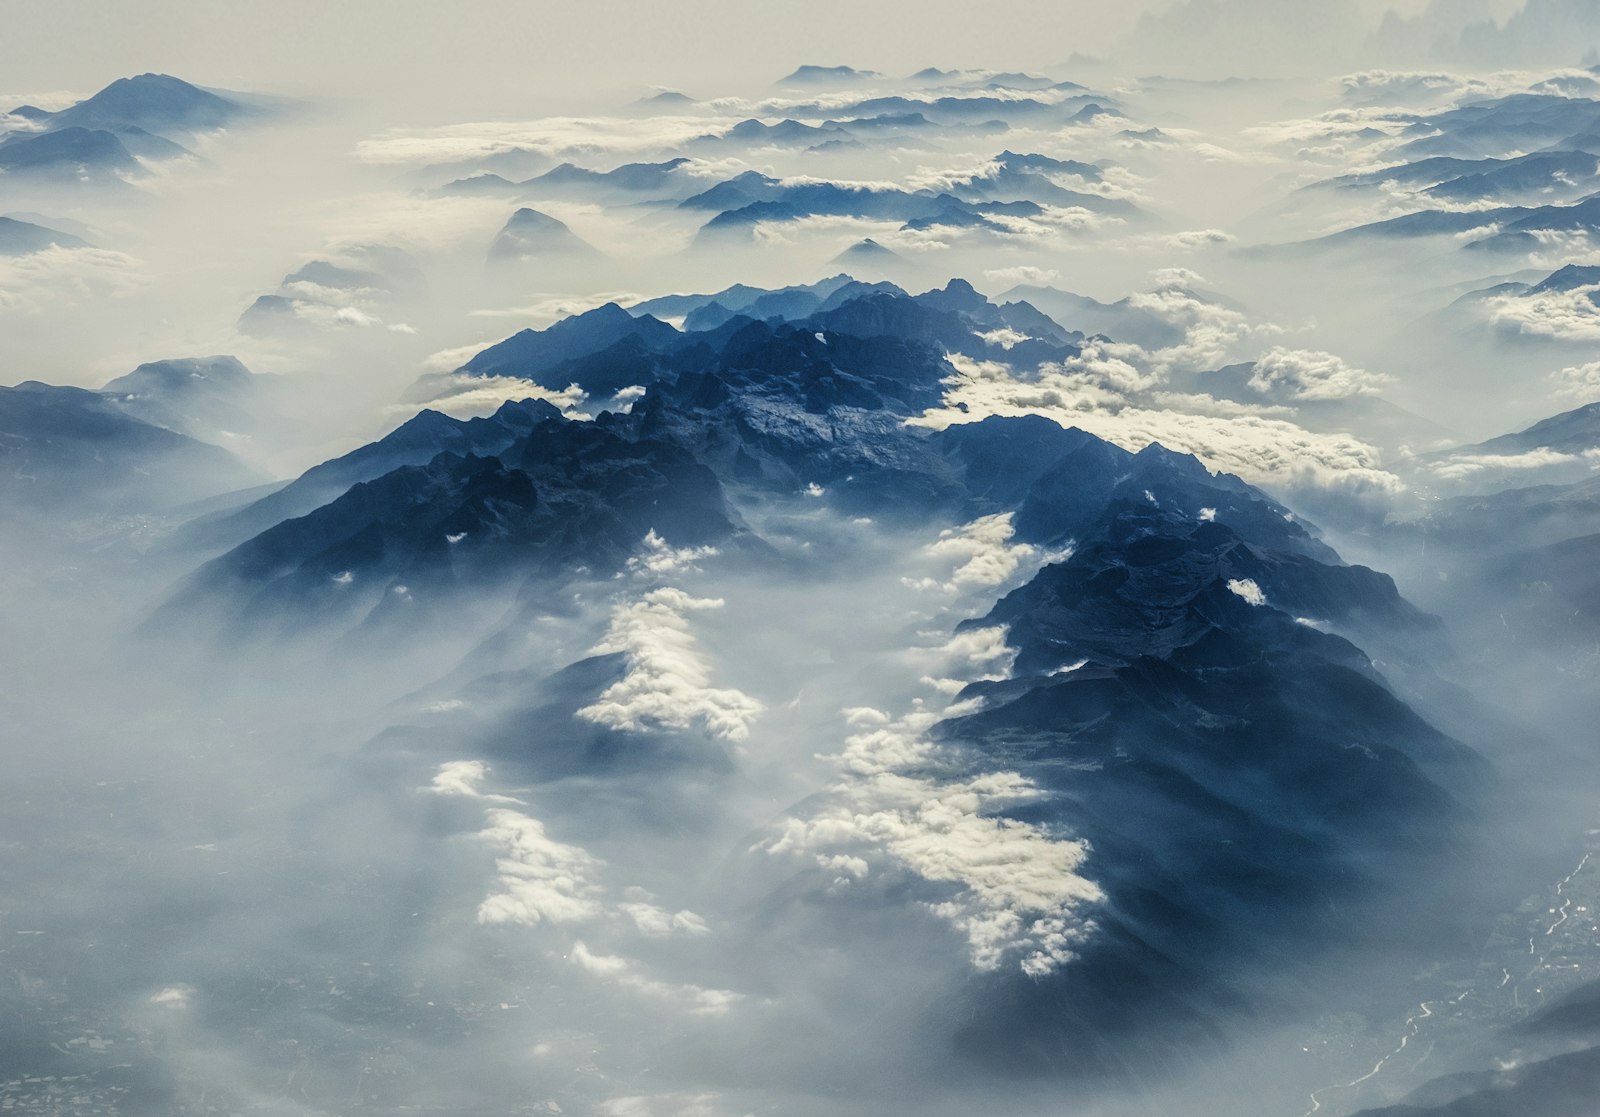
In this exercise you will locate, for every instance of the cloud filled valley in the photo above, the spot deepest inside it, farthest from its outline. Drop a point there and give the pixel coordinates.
(1053, 585)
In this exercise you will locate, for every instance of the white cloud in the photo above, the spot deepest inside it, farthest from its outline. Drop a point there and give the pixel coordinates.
(666, 1105)
(1414, 88)
(1558, 315)
(1023, 274)
(667, 684)
(1578, 384)
(1005, 337)
(557, 137)
(540, 880)
(1213, 334)
(412, 222)
(657, 922)
(973, 653)
(553, 308)
(1017, 890)
(1310, 374)
(1247, 589)
(1260, 449)
(173, 996)
(462, 777)
(464, 396)
(1190, 239)
(1330, 135)
(659, 557)
(1460, 466)
(350, 316)
(1013, 890)
(448, 360)
(983, 550)
(52, 277)
(624, 972)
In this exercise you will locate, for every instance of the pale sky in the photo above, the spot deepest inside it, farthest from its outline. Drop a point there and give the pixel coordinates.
(483, 54)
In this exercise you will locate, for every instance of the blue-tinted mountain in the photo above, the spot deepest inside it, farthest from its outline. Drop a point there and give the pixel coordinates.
(776, 201)
(1507, 229)
(268, 316)
(1567, 172)
(630, 181)
(1120, 321)
(483, 184)
(1501, 126)
(534, 353)
(396, 550)
(69, 451)
(667, 99)
(1575, 1013)
(66, 155)
(960, 297)
(1471, 316)
(325, 273)
(833, 133)
(1519, 231)
(364, 276)
(883, 125)
(1205, 684)
(786, 304)
(1015, 177)
(828, 75)
(1522, 177)
(1018, 80)
(1246, 781)
(867, 253)
(508, 706)
(734, 298)
(20, 238)
(1568, 278)
(1558, 1086)
(1187, 691)
(197, 396)
(785, 201)
(1526, 538)
(878, 359)
(415, 442)
(606, 349)
(157, 103)
(968, 110)
(783, 133)
(639, 178)
(530, 235)
(1378, 421)
(1481, 525)
(1571, 432)
(1549, 594)
(737, 192)
(149, 146)
(101, 139)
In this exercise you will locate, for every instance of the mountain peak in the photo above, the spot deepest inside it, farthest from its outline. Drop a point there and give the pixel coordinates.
(531, 234)
(157, 103)
(826, 75)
